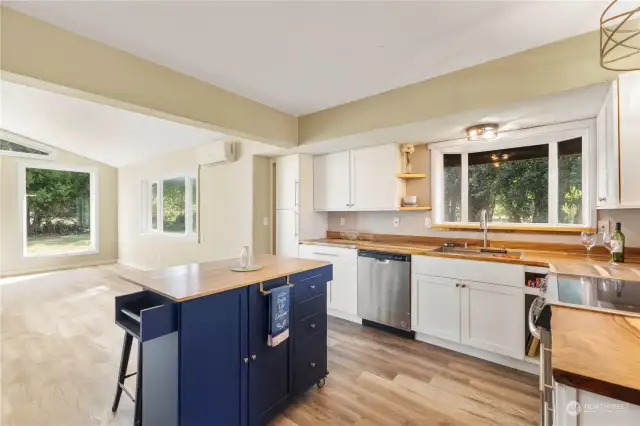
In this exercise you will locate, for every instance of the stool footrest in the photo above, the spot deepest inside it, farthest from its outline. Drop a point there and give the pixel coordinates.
(130, 375)
(126, 392)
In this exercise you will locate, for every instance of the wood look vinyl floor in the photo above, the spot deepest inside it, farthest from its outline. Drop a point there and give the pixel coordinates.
(60, 351)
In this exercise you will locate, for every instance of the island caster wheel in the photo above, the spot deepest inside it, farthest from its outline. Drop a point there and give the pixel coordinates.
(321, 382)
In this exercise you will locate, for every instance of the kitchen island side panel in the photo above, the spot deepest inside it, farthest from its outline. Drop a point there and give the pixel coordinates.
(213, 371)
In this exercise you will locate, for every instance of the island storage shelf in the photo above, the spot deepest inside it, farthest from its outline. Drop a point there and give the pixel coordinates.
(206, 360)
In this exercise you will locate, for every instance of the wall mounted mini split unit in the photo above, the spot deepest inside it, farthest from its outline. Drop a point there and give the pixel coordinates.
(215, 153)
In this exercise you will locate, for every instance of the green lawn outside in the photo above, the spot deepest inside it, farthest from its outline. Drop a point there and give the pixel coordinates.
(58, 244)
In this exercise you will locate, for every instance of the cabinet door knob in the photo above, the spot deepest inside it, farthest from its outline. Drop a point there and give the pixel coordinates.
(313, 287)
(313, 326)
(312, 364)
(246, 360)
(458, 285)
(253, 357)
(464, 286)
(602, 199)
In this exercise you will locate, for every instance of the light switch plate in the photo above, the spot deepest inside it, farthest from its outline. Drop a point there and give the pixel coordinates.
(396, 221)
(604, 226)
(342, 221)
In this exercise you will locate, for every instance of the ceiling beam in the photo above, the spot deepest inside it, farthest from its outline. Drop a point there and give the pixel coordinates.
(39, 54)
(568, 64)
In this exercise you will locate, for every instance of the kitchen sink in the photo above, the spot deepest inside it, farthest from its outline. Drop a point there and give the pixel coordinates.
(479, 251)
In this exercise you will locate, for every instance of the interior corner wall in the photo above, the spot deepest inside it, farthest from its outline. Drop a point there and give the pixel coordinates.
(12, 260)
(261, 205)
(226, 210)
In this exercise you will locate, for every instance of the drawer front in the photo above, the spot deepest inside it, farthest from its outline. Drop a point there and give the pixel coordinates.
(328, 253)
(310, 363)
(309, 327)
(311, 287)
(473, 270)
(310, 307)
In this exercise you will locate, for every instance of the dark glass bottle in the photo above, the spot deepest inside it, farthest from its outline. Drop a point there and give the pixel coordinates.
(618, 255)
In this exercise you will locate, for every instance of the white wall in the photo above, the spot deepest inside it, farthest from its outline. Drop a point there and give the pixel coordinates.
(12, 261)
(226, 209)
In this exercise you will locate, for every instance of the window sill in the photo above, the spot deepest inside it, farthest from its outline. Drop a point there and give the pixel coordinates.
(63, 254)
(186, 237)
(524, 229)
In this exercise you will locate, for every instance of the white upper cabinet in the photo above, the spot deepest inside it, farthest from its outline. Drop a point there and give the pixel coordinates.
(331, 190)
(362, 179)
(287, 173)
(618, 147)
(374, 184)
(629, 134)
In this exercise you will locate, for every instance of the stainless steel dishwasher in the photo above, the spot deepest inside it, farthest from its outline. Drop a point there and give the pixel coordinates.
(384, 290)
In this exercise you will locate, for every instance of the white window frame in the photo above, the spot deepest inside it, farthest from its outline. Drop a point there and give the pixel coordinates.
(147, 206)
(551, 135)
(50, 153)
(93, 205)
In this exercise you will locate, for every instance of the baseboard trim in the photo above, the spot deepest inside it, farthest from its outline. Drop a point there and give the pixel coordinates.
(56, 269)
(344, 316)
(132, 265)
(525, 366)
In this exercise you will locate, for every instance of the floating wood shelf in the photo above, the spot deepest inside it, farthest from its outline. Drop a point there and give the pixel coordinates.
(409, 208)
(411, 175)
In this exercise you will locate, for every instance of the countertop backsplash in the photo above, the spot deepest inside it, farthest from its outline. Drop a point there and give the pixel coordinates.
(412, 223)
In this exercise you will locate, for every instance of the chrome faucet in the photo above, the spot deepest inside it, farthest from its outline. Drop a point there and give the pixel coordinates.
(484, 225)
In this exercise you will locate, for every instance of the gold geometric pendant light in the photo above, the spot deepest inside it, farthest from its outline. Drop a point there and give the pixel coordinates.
(620, 36)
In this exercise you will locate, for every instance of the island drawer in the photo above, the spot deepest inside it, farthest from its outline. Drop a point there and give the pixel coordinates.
(309, 327)
(309, 307)
(310, 363)
(311, 283)
(148, 315)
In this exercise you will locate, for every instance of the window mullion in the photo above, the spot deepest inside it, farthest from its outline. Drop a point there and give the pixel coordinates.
(553, 183)
(188, 218)
(160, 206)
(464, 188)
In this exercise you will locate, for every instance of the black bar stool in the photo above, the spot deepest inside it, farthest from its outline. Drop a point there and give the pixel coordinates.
(131, 325)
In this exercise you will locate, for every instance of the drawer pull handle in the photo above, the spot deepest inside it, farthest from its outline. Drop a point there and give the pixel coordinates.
(312, 364)
(313, 326)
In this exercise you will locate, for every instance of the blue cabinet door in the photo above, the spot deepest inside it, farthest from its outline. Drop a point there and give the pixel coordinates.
(270, 367)
(213, 371)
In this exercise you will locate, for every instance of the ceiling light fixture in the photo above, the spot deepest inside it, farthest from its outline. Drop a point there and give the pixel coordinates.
(620, 37)
(482, 132)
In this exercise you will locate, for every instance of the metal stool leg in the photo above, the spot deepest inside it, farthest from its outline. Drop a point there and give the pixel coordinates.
(124, 361)
(137, 421)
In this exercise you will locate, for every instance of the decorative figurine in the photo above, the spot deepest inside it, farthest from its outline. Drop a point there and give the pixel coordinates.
(407, 151)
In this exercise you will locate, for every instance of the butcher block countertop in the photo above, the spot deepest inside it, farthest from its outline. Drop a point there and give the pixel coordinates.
(597, 351)
(185, 282)
(556, 260)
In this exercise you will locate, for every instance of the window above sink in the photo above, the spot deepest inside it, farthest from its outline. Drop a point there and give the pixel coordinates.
(525, 179)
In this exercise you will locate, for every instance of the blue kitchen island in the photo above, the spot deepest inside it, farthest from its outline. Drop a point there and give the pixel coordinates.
(204, 333)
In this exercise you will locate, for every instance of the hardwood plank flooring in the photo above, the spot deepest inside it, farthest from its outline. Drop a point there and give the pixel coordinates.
(60, 351)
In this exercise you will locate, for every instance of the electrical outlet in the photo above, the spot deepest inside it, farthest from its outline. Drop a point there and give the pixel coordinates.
(396, 221)
(265, 221)
(604, 226)
(427, 221)
(342, 221)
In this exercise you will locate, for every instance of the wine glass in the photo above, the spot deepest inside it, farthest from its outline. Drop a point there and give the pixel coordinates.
(611, 243)
(588, 240)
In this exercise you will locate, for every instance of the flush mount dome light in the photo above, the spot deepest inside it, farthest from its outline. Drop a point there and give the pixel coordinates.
(482, 132)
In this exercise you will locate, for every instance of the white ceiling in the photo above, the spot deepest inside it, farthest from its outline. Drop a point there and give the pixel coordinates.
(562, 107)
(103, 133)
(301, 57)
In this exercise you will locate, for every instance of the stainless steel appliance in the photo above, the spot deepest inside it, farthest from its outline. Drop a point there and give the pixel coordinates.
(384, 289)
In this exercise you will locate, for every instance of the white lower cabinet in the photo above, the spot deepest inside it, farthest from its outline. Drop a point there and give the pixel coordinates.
(493, 318)
(435, 306)
(482, 315)
(342, 292)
